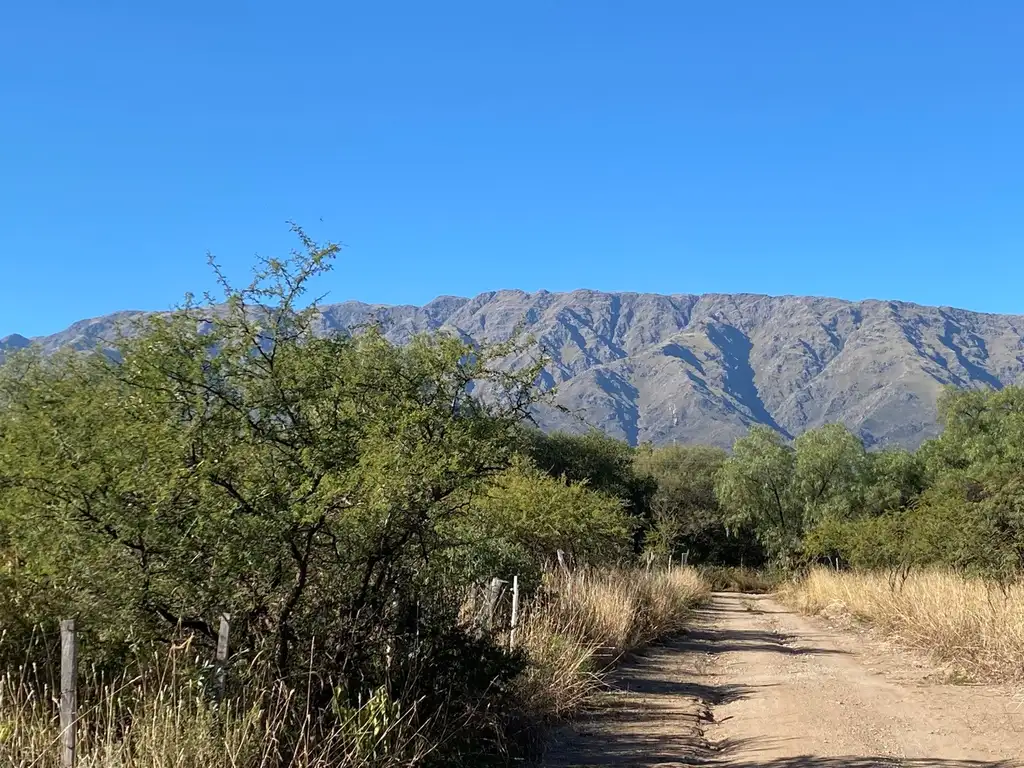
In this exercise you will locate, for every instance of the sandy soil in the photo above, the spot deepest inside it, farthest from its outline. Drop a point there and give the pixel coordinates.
(755, 686)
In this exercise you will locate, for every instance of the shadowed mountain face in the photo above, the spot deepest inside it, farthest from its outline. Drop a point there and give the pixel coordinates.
(702, 369)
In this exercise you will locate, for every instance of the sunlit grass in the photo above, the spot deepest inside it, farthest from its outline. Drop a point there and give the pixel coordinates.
(974, 625)
(591, 620)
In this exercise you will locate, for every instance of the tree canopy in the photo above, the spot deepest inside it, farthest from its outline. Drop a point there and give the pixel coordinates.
(229, 460)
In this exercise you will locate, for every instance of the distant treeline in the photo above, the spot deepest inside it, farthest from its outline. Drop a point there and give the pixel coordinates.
(958, 501)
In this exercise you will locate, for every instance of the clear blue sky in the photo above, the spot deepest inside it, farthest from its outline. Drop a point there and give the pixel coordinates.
(849, 148)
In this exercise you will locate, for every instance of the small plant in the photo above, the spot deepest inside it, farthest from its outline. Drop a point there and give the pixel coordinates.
(368, 726)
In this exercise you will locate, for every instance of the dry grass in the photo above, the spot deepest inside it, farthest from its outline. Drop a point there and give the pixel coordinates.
(576, 628)
(171, 729)
(587, 622)
(973, 625)
(167, 720)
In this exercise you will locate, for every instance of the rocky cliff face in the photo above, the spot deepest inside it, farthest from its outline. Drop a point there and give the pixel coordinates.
(702, 369)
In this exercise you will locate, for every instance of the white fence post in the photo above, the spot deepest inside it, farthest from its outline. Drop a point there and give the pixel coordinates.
(222, 654)
(515, 613)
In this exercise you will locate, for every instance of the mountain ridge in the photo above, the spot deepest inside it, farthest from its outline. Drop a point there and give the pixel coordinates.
(705, 367)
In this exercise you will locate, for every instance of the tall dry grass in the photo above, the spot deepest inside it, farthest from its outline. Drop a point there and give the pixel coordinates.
(161, 716)
(572, 631)
(584, 623)
(974, 625)
(174, 727)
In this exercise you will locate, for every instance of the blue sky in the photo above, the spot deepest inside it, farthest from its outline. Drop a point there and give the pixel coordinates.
(853, 149)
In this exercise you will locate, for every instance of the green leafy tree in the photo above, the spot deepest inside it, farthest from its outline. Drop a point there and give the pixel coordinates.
(755, 487)
(602, 462)
(866, 542)
(956, 501)
(830, 472)
(972, 514)
(895, 479)
(524, 516)
(229, 459)
(684, 509)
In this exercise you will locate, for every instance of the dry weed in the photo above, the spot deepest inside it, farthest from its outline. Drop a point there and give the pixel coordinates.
(972, 624)
(586, 622)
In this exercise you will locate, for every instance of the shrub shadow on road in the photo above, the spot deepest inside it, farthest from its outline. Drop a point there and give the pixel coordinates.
(709, 637)
(712, 695)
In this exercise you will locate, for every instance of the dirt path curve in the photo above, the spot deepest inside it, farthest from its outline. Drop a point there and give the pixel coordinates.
(753, 685)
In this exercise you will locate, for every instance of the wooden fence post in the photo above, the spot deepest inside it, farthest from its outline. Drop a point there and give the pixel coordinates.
(515, 613)
(68, 692)
(222, 654)
(493, 594)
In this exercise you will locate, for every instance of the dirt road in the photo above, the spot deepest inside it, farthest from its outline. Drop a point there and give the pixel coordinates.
(756, 686)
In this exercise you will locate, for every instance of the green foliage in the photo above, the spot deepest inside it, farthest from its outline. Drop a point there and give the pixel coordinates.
(684, 510)
(756, 488)
(524, 516)
(604, 463)
(829, 473)
(894, 480)
(972, 513)
(823, 496)
(957, 501)
(684, 477)
(870, 542)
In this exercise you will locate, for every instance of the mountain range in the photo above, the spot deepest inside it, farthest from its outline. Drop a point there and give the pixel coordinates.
(704, 368)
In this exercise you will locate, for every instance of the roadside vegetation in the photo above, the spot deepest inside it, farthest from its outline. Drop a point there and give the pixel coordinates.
(346, 502)
(590, 621)
(159, 713)
(972, 625)
(928, 546)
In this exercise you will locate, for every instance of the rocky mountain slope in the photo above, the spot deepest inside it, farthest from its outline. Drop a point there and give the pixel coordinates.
(647, 367)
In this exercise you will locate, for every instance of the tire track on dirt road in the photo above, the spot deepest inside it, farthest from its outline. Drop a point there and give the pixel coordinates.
(752, 685)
